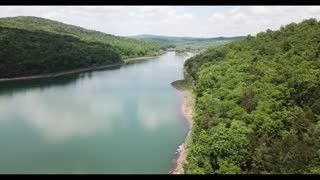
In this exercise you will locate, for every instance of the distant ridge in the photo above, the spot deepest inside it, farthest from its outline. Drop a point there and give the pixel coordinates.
(175, 39)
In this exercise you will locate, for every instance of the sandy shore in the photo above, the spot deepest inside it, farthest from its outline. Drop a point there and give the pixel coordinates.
(187, 110)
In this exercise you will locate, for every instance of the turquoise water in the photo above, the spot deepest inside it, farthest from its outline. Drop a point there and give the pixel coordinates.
(126, 119)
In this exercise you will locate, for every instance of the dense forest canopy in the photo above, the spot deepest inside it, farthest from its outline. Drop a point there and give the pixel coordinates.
(257, 104)
(32, 45)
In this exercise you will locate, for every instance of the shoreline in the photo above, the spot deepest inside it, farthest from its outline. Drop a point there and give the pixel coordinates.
(50, 75)
(187, 110)
(140, 58)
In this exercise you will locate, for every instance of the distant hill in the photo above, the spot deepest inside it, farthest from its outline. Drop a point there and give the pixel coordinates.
(32, 45)
(183, 44)
(175, 40)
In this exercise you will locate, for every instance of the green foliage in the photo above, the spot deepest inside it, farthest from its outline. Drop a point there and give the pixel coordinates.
(31, 45)
(257, 104)
(26, 53)
(221, 147)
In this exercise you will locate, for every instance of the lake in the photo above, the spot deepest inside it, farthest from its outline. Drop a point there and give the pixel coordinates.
(125, 119)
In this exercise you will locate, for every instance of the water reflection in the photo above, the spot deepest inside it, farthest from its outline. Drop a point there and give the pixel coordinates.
(9, 88)
(99, 121)
(85, 114)
(151, 112)
(81, 105)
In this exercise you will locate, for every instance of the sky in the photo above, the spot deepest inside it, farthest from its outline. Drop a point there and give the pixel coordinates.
(192, 21)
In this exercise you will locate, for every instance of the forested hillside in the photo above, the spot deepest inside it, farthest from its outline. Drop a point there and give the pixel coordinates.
(257, 104)
(32, 45)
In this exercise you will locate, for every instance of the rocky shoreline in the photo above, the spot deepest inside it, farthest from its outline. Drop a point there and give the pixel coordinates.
(187, 110)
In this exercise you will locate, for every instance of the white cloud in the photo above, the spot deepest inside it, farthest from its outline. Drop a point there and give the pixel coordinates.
(217, 17)
(171, 20)
(254, 19)
(235, 10)
(259, 10)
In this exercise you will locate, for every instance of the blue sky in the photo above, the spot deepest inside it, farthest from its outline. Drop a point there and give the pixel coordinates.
(196, 21)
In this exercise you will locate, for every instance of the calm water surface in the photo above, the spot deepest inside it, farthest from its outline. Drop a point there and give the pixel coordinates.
(121, 120)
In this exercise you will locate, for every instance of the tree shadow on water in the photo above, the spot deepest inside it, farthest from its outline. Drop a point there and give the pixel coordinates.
(11, 87)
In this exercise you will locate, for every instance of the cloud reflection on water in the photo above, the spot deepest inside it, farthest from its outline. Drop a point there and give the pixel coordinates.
(73, 114)
(153, 112)
(91, 104)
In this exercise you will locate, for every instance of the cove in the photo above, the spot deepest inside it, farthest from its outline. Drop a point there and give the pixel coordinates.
(120, 120)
